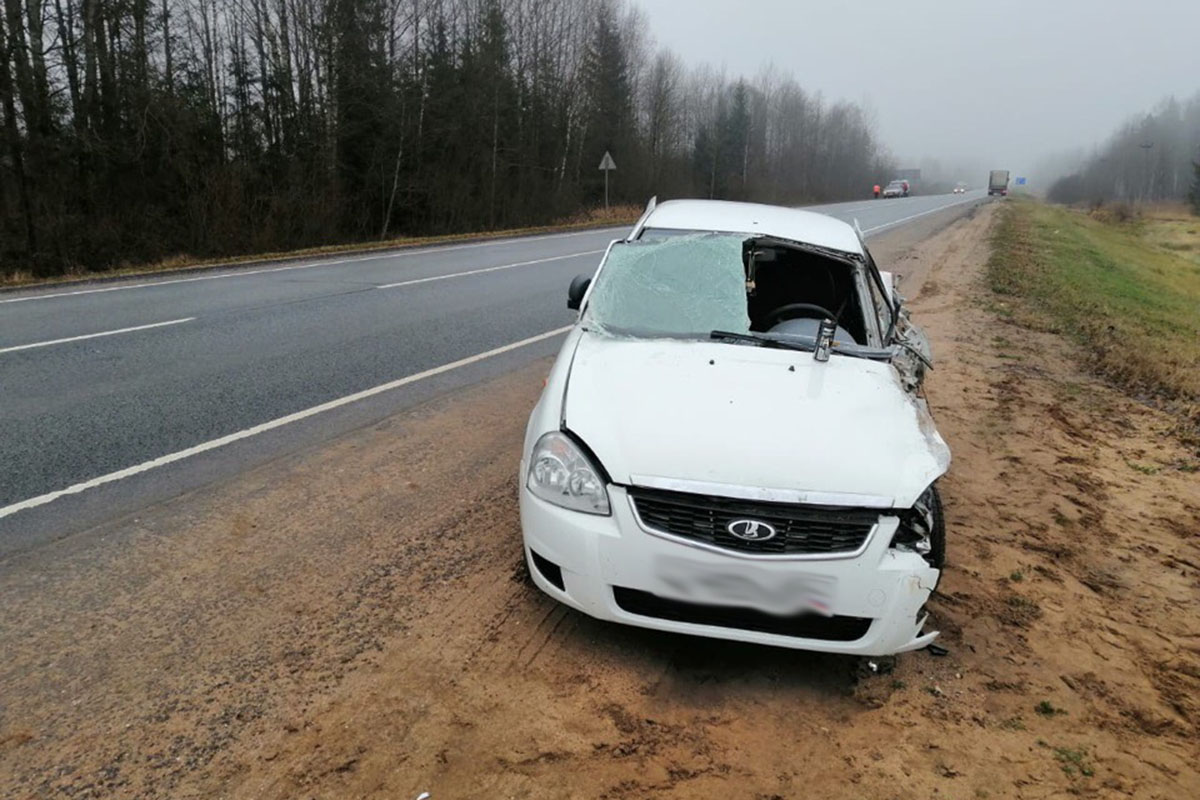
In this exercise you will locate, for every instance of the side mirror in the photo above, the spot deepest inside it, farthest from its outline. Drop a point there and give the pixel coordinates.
(577, 290)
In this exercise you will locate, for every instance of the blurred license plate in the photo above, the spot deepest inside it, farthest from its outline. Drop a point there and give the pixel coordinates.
(748, 585)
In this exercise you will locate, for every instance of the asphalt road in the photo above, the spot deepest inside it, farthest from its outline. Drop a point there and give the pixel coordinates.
(116, 394)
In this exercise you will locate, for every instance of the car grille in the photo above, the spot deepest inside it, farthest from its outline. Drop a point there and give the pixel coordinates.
(799, 529)
(803, 626)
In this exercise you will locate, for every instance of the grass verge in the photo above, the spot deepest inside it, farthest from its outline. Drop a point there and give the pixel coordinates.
(1129, 292)
(594, 218)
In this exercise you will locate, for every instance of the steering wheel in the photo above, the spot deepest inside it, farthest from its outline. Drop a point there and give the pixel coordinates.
(789, 311)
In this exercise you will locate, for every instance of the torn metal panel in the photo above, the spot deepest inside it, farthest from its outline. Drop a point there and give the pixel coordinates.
(913, 354)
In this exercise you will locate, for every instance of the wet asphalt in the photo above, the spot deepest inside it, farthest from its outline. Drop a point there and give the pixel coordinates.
(248, 345)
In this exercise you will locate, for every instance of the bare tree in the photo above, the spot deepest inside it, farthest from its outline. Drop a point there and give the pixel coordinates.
(140, 129)
(1147, 159)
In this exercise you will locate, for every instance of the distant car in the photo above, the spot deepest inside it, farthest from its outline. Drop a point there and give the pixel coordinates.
(960, 188)
(896, 189)
(774, 482)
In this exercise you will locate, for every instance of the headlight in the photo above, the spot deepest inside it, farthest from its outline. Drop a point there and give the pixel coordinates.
(560, 473)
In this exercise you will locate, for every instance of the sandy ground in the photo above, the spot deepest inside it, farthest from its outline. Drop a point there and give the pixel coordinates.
(352, 621)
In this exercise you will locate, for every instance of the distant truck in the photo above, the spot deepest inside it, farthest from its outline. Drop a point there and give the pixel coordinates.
(998, 182)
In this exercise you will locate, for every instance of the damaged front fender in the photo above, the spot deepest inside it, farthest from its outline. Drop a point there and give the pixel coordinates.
(912, 353)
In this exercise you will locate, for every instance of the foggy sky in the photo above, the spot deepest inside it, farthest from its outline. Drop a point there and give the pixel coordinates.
(1002, 82)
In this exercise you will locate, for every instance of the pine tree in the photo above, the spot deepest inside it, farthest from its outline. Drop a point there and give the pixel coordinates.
(1194, 196)
(609, 116)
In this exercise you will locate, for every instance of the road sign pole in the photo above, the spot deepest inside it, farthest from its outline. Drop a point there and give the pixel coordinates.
(607, 165)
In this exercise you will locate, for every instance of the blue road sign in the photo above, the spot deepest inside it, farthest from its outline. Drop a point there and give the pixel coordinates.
(1020, 181)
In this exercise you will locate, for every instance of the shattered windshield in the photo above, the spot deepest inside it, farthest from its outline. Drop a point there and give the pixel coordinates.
(681, 286)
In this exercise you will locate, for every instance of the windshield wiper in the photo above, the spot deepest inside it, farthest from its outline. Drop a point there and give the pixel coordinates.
(762, 340)
(805, 344)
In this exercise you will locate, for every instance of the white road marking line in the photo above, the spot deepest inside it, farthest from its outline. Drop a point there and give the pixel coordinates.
(326, 263)
(213, 444)
(896, 222)
(829, 209)
(95, 335)
(432, 278)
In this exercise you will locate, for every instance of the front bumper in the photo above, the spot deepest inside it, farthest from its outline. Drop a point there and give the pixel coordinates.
(603, 562)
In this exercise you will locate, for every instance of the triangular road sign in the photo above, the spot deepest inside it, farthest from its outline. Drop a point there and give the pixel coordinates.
(607, 162)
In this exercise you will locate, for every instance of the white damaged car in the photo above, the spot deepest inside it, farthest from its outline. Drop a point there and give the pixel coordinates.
(733, 441)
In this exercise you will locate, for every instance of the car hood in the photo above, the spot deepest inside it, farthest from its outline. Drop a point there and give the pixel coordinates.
(656, 412)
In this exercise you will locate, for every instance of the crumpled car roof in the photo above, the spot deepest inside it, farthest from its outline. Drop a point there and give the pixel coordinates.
(756, 219)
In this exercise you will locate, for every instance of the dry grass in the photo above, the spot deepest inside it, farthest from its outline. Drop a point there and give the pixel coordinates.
(588, 218)
(1129, 291)
(1111, 213)
(1173, 228)
(615, 215)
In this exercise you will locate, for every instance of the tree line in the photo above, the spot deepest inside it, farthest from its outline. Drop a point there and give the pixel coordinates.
(139, 130)
(1151, 158)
